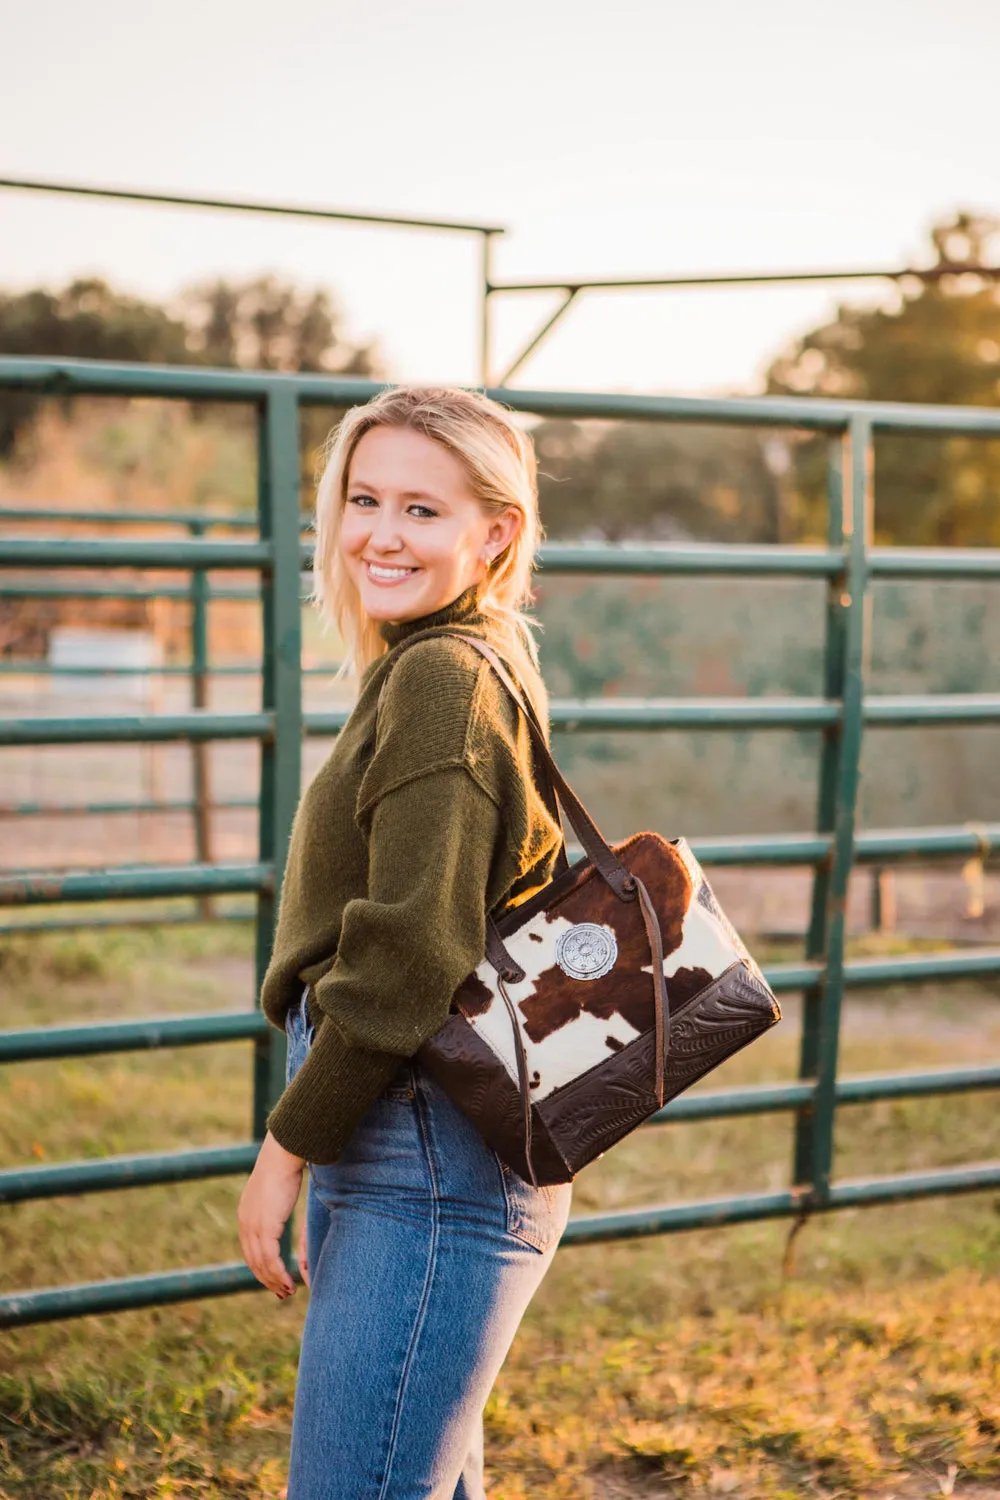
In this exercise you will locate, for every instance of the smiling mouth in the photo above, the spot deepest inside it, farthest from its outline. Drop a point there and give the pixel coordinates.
(388, 574)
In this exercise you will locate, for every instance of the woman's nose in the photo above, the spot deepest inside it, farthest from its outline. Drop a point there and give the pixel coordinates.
(385, 529)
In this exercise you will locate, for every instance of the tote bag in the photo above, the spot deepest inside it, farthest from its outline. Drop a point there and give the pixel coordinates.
(609, 991)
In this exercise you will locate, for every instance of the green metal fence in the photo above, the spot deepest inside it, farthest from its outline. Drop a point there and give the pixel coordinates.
(847, 563)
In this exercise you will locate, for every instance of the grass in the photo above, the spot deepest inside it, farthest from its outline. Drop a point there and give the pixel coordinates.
(695, 1364)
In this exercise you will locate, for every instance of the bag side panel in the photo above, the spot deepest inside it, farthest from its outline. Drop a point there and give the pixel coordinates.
(593, 1113)
(472, 1077)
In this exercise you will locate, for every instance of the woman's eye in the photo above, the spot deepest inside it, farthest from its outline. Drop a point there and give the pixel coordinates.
(362, 502)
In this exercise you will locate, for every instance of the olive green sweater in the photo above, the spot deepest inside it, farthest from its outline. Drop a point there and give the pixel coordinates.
(397, 850)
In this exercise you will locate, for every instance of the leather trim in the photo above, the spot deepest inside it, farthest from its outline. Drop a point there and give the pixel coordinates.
(474, 1078)
(583, 1119)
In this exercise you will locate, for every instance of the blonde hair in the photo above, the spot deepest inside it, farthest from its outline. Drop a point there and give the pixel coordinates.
(500, 462)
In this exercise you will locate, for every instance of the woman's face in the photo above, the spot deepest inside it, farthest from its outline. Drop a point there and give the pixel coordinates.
(414, 536)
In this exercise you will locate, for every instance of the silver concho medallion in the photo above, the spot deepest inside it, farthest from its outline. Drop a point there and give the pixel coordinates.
(586, 951)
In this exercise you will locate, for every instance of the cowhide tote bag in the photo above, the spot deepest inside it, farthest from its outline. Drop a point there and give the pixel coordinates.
(606, 993)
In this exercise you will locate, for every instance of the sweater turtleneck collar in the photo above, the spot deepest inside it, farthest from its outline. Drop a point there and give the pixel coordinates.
(459, 612)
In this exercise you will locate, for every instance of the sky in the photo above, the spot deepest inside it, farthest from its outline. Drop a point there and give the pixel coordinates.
(643, 138)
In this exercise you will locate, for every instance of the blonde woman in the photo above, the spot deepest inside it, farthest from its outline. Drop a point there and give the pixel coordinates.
(420, 1247)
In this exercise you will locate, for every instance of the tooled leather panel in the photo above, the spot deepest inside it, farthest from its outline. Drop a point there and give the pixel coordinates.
(477, 1082)
(596, 1110)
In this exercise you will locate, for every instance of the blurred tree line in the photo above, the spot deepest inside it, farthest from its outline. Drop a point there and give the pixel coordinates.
(937, 342)
(934, 341)
(260, 324)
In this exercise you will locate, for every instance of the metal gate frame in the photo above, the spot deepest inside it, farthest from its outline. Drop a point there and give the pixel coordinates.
(847, 563)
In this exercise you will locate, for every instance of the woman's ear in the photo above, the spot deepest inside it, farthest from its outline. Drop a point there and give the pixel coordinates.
(503, 531)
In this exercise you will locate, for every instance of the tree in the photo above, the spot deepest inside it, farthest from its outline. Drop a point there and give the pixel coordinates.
(259, 324)
(939, 343)
(86, 320)
(267, 324)
(629, 481)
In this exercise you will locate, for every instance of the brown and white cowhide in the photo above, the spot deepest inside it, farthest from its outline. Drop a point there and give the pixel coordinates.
(569, 1025)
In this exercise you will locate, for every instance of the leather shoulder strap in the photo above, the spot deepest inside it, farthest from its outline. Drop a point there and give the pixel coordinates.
(579, 819)
(595, 845)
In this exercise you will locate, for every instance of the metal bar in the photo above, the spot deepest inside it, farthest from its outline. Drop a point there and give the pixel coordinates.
(972, 1177)
(485, 328)
(747, 278)
(97, 1038)
(36, 667)
(114, 729)
(720, 1104)
(84, 589)
(116, 552)
(231, 205)
(867, 1089)
(567, 714)
(591, 1228)
(807, 413)
(157, 1290)
(281, 700)
(672, 559)
(51, 1303)
(97, 377)
(791, 849)
(660, 560)
(662, 713)
(869, 847)
(200, 751)
(29, 667)
(67, 1178)
(131, 883)
(90, 924)
(106, 809)
(804, 1150)
(19, 1184)
(960, 563)
(771, 1098)
(133, 517)
(557, 557)
(862, 973)
(939, 708)
(855, 649)
(547, 326)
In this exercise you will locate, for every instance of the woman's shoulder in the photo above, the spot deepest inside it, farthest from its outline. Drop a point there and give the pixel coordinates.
(441, 705)
(436, 682)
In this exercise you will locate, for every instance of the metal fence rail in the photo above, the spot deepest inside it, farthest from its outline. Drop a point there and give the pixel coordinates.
(847, 563)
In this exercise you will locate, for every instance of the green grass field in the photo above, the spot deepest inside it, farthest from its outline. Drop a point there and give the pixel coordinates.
(695, 1364)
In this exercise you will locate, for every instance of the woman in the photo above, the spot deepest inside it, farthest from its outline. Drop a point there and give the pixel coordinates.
(420, 1247)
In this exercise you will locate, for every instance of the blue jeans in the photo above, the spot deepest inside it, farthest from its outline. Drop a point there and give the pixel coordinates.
(424, 1252)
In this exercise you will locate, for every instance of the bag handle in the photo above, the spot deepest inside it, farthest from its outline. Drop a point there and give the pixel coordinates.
(596, 846)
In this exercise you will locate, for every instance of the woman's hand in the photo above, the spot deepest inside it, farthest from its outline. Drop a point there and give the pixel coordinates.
(265, 1207)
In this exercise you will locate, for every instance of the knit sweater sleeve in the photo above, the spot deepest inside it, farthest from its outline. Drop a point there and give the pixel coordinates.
(406, 946)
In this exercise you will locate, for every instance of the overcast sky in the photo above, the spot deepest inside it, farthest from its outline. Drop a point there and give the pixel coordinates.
(644, 137)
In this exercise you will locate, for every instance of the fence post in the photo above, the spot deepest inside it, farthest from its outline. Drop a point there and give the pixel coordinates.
(200, 750)
(281, 691)
(845, 669)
